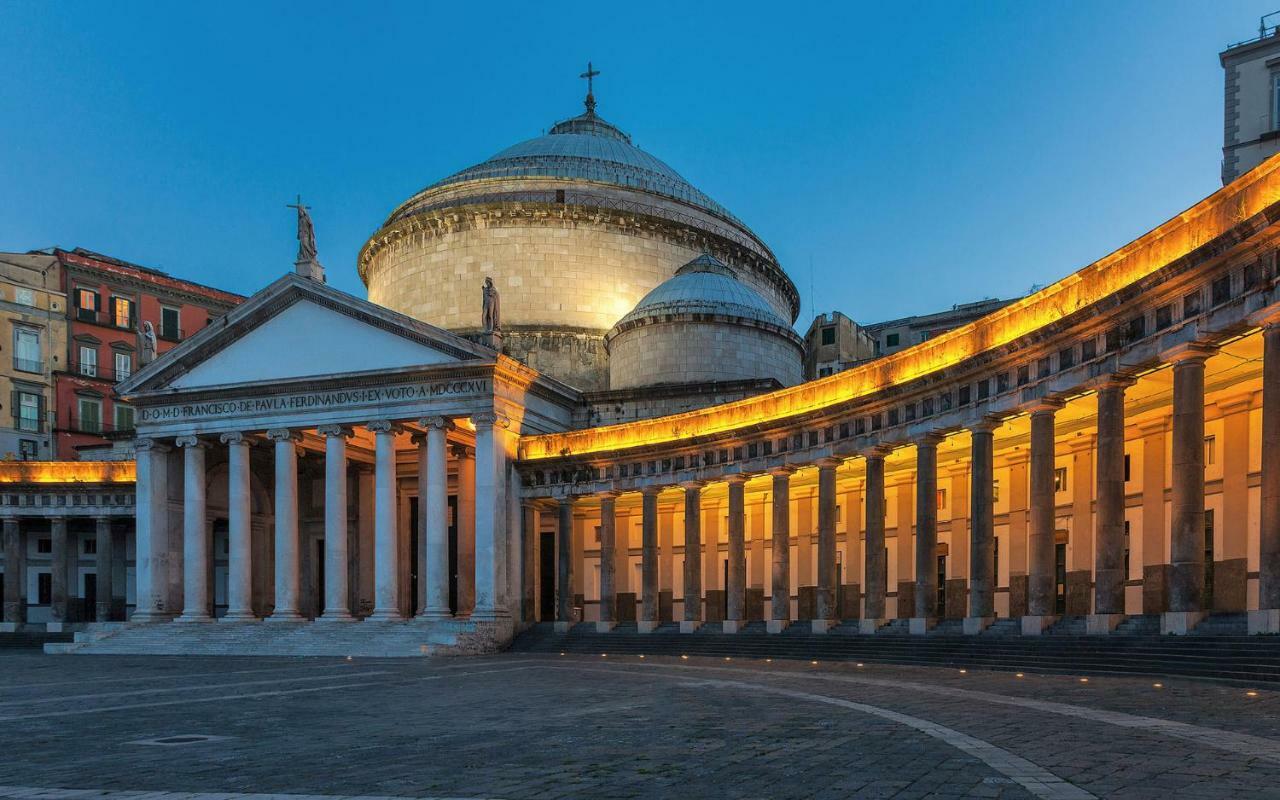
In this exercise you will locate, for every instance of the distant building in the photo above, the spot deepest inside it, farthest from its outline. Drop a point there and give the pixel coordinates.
(33, 311)
(1251, 120)
(109, 300)
(834, 342)
(898, 334)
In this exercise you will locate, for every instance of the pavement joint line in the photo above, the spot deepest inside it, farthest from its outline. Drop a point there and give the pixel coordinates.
(343, 665)
(191, 688)
(35, 793)
(1031, 776)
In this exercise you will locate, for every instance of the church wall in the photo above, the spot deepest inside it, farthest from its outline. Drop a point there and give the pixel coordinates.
(691, 351)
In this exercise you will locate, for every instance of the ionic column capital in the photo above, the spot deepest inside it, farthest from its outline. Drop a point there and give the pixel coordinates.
(461, 451)
(284, 435)
(436, 423)
(490, 419)
(189, 442)
(235, 438)
(152, 445)
(382, 426)
(330, 431)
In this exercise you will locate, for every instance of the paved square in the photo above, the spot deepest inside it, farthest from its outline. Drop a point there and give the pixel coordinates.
(547, 726)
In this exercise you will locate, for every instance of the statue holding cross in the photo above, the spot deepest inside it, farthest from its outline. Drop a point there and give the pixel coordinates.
(590, 102)
(307, 264)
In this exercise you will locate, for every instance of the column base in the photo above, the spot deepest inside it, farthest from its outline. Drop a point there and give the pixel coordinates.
(386, 615)
(336, 617)
(53, 627)
(285, 616)
(1102, 624)
(194, 619)
(9, 627)
(147, 617)
(868, 627)
(563, 626)
(1264, 621)
(647, 625)
(823, 625)
(777, 625)
(1036, 624)
(239, 616)
(976, 625)
(435, 614)
(1180, 623)
(690, 625)
(732, 625)
(919, 626)
(604, 626)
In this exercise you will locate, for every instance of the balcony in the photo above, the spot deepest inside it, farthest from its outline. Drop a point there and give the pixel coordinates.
(96, 427)
(29, 424)
(102, 372)
(28, 365)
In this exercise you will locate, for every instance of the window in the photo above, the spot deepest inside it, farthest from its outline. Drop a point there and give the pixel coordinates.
(90, 546)
(1191, 305)
(1126, 467)
(1221, 290)
(26, 350)
(964, 394)
(942, 498)
(123, 417)
(1002, 383)
(122, 312)
(44, 589)
(28, 450)
(169, 319)
(1210, 450)
(90, 415)
(1088, 349)
(995, 561)
(824, 372)
(86, 305)
(123, 366)
(829, 335)
(24, 297)
(27, 411)
(1136, 329)
(1060, 479)
(1066, 359)
(1164, 317)
(891, 340)
(995, 492)
(1043, 367)
(44, 545)
(88, 360)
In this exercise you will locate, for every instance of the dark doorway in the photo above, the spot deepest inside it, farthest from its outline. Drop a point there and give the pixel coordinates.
(941, 610)
(91, 597)
(319, 577)
(1060, 578)
(1208, 560)
(547, 576)
(414, 555)
(724, 596)
(453, 553)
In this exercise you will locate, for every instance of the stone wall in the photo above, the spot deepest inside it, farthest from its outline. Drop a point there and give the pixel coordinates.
(686, 351)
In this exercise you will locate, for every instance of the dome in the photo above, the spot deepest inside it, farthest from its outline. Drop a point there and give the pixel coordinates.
(584, 148)
(705, 285)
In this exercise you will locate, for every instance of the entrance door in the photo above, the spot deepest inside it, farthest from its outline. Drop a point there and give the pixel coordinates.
(547, 576)
(91, 597)
(414, 563)
(1060, 578)
(724, 596)
(942, 586)
(453, 553)
(1208, 560)
(319, 577)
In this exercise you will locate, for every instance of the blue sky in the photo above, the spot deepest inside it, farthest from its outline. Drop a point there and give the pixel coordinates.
(907, 156)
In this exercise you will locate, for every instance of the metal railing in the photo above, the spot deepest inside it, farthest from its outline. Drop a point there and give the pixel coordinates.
(28, 365)
(97, 427)
(104, 372)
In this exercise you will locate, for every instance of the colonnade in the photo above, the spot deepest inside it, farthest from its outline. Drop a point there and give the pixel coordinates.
(108, 558)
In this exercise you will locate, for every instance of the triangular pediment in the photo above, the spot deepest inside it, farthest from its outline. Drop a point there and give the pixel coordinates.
(297, 329)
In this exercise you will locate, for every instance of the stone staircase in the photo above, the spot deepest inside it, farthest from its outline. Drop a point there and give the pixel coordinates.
(1138, 651)
(31, 639)
(365, 639)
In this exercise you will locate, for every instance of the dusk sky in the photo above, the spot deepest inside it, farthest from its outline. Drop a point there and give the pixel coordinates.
(898, 159)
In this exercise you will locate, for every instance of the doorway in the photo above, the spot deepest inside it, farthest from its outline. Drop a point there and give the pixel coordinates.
(1060, 578)
(942, 587)
(1208, 560)
(320, 595)
(724, 596)
(91, 597)
(453, 553)
(414, 555)
(547, 576)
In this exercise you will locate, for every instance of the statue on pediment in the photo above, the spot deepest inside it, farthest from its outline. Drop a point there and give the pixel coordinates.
(491, 308)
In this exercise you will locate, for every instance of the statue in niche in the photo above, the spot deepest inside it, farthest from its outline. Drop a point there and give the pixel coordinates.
(491, 315)
(148, 343)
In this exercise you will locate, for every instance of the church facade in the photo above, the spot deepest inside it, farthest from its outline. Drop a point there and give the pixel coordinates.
(626, 437)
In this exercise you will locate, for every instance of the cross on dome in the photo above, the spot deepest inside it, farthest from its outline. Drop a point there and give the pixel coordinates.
(590, 102)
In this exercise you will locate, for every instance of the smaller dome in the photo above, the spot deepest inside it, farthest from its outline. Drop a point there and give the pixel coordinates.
(705, 285)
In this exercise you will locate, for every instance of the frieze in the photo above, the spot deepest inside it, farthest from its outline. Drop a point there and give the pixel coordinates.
(304, 401)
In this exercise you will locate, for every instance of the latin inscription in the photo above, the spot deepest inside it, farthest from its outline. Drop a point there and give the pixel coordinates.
(313, 400)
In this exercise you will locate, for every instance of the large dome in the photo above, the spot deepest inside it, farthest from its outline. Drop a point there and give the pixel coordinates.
(574, 228)
(704, 286)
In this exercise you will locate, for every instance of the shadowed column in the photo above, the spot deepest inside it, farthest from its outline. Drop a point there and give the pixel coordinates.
(1109, 577)
(1267, 618)
(780, 590)
(926, 607)
(649, 559)
(564, 565)
(608, 562)
(876, 571)
(1040, 544)
(386, 550)
(335, 524)
(239, 530)
(692, 557)
(736, 606)
(1186, 541)
(826, 617)
(982, 577)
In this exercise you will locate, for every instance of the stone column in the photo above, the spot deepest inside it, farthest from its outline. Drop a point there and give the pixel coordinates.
(1078, 601)
(1109, 577)
(1231, 561)
(982, 578)
(491, 515)
(1186, 541)
(152, 532)
(850, 599)
(58, 608)
(15, 561)
(288, 582)
(195, 533)
(433, 515)
(876, 571)
(1153, 539)
(736, 591)
(955, 590)
(464, 457)
(608, 563)
(239, 530)
(102, 568)
(336, 595)
(564, 566)
(531, 528)
(780, 587)
(692, 557)
(1267, 618)
(386, 550)
(904, 544)
(1042, 521)
(926, 606)
(648, 621)
(826, 616)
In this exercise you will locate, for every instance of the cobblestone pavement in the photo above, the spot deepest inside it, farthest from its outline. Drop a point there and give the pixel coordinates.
(616, 727)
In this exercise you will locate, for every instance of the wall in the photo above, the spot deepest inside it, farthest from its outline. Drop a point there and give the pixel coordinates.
(680, 352)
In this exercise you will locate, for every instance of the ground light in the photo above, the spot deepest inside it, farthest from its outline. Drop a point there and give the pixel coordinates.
(859, 663)
(1019, 675)
(1084, 680)
(1251, 693)
(1158, 685)
(964, 671)
(686, 658)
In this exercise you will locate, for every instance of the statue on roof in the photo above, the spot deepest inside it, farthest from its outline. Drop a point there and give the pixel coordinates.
(307, 264)
(490, 314)
(148, 344)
